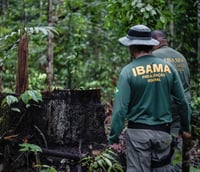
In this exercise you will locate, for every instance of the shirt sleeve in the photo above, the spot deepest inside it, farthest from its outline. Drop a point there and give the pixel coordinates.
(181, 101)
(120, 108)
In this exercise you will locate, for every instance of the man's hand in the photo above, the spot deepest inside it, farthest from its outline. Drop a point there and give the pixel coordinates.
(116, 147)
(186, 135)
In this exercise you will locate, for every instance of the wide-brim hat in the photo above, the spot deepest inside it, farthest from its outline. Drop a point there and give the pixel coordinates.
(138, 35)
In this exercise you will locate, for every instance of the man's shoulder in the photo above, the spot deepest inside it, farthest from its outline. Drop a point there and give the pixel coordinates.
(126, 68)
(169, 52)
(179, 54)
(160, 51)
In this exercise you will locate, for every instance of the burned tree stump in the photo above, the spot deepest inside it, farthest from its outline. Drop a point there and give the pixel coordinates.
(65, 125)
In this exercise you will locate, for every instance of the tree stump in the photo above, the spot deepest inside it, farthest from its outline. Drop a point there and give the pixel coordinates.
(66, 125)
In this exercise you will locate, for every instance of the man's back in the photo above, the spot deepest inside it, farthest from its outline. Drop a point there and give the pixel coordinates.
(177, 60)
(151, 82)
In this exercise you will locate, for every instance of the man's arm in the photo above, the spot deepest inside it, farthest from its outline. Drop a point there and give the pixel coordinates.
(120, 108)
(182, 103)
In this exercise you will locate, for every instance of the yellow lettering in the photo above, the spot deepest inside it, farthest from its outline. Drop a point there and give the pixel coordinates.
(140, 70)
(149, 69)
(157, 67)
(167, 69)
(154, 80)
(145, 76)
(134, 72)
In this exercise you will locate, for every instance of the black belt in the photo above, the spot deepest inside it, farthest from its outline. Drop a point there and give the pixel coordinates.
(161, 127)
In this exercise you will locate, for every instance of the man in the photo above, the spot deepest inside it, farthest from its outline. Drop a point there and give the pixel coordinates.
(165, 52)
(177, 59)
(143, 98)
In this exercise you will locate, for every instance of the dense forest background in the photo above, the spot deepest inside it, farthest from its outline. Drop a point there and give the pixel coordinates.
(73, 44)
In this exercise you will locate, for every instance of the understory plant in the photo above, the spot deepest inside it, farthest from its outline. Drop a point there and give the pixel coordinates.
(14, 104)
(102, 161)
(26, 97)
(27, 148)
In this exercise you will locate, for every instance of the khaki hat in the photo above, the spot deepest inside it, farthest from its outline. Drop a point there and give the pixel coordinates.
(138, 35)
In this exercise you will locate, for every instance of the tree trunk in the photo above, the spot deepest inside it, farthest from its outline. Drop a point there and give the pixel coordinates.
(198, 26)
(49, 68)
(2, 69)
(171, 24)
(22, 70)
(0, 83)
(41, 7)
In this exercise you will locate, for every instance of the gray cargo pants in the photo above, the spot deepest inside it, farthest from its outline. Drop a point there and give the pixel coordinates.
(143, 146)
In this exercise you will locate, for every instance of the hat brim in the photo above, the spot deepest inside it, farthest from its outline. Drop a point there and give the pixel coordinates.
(128, 42)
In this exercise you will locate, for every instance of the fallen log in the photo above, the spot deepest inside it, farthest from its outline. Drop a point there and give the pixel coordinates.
(65, 154)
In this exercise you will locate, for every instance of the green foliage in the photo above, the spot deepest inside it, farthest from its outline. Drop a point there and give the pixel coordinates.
(196, 130)
(45, 168)
(31, 95)
(10, 103)
(8, 100)
(105, 161)
(192, 169)
(27, 147)
(134, 12)
(195, 89)
(26, 97)
(8, 52)
(177, 157)
(85, 39)
(196, 103)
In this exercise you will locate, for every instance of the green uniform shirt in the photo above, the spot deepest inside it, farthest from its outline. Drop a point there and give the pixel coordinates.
(179, 62)
(143, 95)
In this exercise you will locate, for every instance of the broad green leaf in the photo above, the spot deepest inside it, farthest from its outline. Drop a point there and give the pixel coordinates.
(9, 100)
(25, 149)
(32, 95)
(108, 156)
(25, 98)
(142, 10)
(30, 147)
(118, 167)
(148, 7)
(162, 19)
